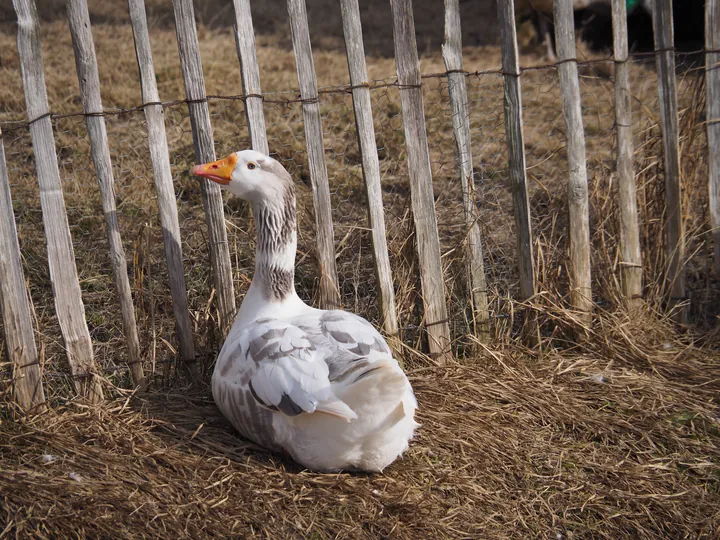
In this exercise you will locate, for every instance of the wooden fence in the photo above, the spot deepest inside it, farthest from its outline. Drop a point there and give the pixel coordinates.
(16, 309)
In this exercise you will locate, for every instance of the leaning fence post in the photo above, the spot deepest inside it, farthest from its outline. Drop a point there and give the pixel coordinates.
(674, 238)
(452, 54)
(19, 339)
(205, 152)
(421, 193)
(61, 258)
(712, 81)
(515, 140)
(250, 75)
(370, 163)
(329, 289)
(160, 158)
(631, 264)
(89, 79)
(578, 206)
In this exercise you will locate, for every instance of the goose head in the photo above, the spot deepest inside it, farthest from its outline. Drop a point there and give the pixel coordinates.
(249, 175)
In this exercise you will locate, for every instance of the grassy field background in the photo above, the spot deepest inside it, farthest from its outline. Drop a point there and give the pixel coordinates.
(616, 434)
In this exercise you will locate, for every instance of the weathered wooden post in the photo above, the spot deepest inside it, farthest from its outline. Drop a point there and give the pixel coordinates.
(667, 90)
(515, 140)
(420, 172)
(19, 338)
(205, 152)
(452, 54)
(160, 158)
(370, 163)
(631, 263)
(329, 288)
(578, 205)
(712, 82)
(89, 80)
(69, 306)
(250, 75)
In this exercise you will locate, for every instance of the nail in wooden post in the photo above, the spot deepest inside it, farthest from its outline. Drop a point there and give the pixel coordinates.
(667, 90)
(631, 264)
(250, 75)
(61, 258)
(89, 79)
(204, 153)
(370, 164)
(452, 54)
(515, 140)
(160, 158)
(329, 289)
(712, 81)
(19, 339)
(423, 202)
(578, 206)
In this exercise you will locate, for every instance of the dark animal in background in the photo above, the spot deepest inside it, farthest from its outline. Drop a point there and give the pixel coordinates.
(593, 19)
(688, 25)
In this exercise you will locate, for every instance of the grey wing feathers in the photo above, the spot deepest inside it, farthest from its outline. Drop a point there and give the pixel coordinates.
(354, 345)
(286, 405)
(289, 366)
(286, 376)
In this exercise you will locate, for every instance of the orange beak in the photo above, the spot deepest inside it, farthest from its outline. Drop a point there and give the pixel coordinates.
(218, 171)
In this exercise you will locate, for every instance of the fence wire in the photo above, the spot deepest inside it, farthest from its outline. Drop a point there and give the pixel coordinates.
(547, 176)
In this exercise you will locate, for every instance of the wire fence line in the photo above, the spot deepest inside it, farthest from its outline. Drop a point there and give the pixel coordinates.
(8, 126)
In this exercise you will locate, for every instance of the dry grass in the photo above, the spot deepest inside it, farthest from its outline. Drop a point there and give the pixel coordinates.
(607, 431)
(270, 19)
(599, 443)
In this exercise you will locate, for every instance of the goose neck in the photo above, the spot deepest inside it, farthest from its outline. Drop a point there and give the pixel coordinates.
(276, 224)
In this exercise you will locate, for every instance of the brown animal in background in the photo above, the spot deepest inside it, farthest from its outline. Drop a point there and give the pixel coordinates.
(540, 13)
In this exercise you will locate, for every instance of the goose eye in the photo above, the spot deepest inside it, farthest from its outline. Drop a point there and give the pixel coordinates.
(251, 165)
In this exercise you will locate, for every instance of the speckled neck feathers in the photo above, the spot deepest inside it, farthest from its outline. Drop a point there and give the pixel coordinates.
(276, 224)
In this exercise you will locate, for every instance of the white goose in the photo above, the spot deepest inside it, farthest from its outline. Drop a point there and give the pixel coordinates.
(321, 385)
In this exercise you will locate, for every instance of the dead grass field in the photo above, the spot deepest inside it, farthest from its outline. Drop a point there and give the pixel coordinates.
(616, 434)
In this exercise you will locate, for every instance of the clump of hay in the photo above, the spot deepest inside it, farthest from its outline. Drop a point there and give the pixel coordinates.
(618, 437)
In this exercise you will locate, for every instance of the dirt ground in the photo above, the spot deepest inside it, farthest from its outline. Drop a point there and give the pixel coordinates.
(270, 19)
(615, 434)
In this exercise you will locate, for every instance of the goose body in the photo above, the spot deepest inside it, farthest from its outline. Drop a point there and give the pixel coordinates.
(321, 385)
